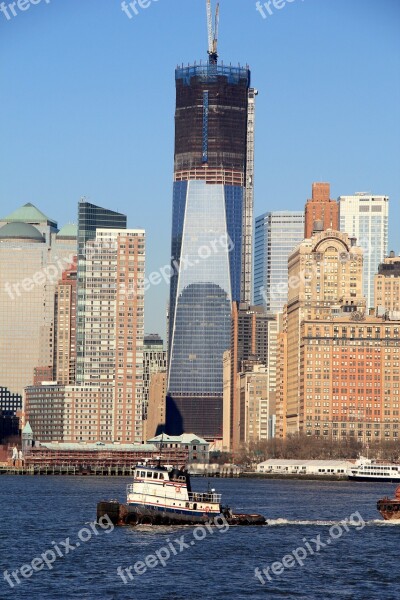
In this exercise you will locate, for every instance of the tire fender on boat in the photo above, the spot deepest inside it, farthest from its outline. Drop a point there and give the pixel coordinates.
(131, 519)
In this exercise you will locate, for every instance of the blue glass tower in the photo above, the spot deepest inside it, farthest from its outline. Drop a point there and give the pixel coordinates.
(213, 125)
(277, 233)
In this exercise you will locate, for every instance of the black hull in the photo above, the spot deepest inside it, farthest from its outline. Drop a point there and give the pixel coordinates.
(122, 514)
(137, 515)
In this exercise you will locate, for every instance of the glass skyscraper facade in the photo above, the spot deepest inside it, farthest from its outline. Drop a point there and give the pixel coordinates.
(366, 218)
(209, 210)
(277, 233)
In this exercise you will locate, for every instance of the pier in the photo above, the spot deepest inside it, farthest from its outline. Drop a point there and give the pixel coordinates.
(69, 470)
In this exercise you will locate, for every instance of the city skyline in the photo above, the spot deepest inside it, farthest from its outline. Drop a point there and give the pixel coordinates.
(176, 304)
(112, 167)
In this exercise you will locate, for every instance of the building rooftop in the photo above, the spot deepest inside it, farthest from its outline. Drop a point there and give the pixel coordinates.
(390, 266)
(20, 231)
(209, 73)
(98, 446)
(152, 339)
(306, 463)
(69, 231)
(29, 213)
(351, 318)
(185, 438)
(27, 428)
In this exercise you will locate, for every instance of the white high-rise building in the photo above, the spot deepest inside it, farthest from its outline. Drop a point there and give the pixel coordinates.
(113, 323)
(276, 235)
(365, 216)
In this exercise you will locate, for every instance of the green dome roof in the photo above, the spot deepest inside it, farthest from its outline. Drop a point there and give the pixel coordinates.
(68, 231)
(29, 214)
(20, 231)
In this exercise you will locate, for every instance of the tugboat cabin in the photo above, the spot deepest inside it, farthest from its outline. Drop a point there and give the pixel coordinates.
(166, 489)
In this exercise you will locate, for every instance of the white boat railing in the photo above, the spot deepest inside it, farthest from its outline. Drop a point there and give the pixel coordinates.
(209, 497)
(205, 497)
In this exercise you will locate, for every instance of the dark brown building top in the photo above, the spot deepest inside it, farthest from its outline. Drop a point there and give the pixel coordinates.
(211, 118)
(320, 209)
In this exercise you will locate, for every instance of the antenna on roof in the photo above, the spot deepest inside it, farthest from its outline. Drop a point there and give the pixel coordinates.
(212, 33)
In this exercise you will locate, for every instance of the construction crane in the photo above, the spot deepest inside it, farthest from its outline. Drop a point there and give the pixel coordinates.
(212, 33)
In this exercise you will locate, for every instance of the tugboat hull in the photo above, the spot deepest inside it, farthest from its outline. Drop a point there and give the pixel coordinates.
(390, 507)
(122, 514)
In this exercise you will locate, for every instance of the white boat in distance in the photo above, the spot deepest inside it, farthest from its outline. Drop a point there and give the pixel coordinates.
(368, 470)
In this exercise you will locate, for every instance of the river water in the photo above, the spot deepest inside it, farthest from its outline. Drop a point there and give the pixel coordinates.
(325, 540)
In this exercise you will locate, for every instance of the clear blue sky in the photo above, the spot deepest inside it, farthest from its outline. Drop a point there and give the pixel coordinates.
(87, 106)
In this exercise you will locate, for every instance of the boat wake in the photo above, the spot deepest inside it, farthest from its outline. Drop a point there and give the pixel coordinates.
(380, 522)
(295, 522)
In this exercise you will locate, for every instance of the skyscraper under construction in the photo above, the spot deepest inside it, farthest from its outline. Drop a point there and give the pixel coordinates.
(211, 233)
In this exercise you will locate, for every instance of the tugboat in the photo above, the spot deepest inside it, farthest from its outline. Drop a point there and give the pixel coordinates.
(162, 496)
(390, 508)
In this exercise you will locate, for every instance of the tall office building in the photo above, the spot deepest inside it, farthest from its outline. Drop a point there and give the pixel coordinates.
(328, 270)
(90, 218)
(387, 284)
(321, 208)
(253, 338)
(154, 361)
(155, 421)
(65, 327)
(256, 408)
(106, 404)
(33, 255)
(277, 233)
(365, 217)
(113, 323)
(10, 404)
(211, 236)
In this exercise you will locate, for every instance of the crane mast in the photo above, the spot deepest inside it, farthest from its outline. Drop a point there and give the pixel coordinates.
(212, 33)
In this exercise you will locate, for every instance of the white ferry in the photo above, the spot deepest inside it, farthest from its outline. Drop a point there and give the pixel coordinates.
(161, 496)
(368, 470)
